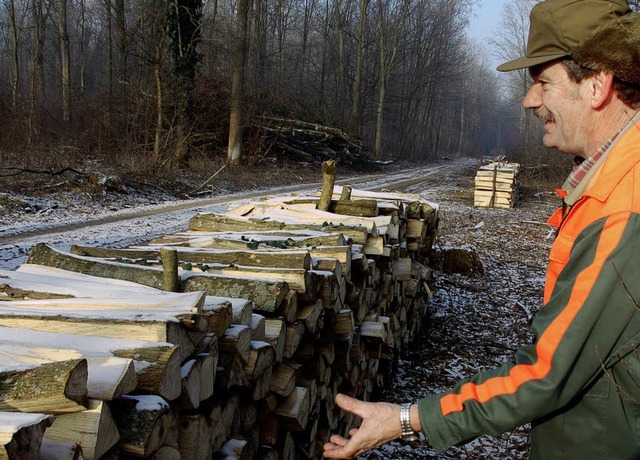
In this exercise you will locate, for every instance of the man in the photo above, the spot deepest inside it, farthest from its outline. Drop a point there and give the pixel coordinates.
(579, 383)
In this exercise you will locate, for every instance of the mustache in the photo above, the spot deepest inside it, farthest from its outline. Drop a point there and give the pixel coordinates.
(543, 114)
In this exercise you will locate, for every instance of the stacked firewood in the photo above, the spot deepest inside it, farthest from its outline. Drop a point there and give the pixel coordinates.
(310, 142)
(276, 307)
(496, 185)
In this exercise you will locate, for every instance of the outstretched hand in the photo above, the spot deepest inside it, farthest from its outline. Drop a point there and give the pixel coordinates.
(380, 424)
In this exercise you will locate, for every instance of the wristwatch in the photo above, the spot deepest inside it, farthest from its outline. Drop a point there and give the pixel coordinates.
(405, 424)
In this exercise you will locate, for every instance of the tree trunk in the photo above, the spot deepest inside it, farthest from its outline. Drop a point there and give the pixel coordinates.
(234, 152)
(65, 62)
(357, 79)
(15, 81)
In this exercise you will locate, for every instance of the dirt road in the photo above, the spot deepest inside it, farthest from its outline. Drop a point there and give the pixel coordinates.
(101, 227)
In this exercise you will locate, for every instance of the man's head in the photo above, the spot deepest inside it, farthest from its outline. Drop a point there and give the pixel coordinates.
(584, 57)
(561, 28)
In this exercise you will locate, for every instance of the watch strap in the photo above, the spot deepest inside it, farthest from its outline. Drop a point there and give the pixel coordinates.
(405, 420)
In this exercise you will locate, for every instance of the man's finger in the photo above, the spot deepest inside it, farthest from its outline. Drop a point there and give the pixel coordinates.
(338, 440)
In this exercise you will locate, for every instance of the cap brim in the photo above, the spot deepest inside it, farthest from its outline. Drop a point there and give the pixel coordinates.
(526, 62)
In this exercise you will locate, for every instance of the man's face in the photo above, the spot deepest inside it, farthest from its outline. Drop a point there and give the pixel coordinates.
(559, 102)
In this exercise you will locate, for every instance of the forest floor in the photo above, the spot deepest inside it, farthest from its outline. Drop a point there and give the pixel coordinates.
(476, 321)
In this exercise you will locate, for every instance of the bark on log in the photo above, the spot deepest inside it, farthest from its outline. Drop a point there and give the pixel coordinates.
(50, 388)
(279, 259)
(328, 179)
(362, 208)
(170, 278)
(143, 422)
(266, 295)
(42, 254)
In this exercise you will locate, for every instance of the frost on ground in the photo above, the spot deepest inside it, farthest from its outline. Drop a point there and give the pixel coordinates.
(476, 322)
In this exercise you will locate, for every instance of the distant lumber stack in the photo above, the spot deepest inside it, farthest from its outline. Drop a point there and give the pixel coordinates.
(276, 307)
(496, 185)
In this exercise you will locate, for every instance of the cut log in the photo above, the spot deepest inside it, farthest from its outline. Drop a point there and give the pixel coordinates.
(157, 366)
(94, 429)
(344, 326)
(266, 295)
(362, 208)
(275, 259)
(309, 315)
(151, 331)
(195, 437)
(157, 369)
(236, 339)
(110, 377)
(241, 309)
(328, 179)
(219, 313)
(65, 289)
(294, 410)
(276, 335)
(21, 434)
(283, 379)
(261, 357)
(293, 337)
(289, 307)
(191, 376)
(261, 384)
(43, 254)
(50, 388)
(170, 278)
(297, 279)
(258, 327)
(143, 422)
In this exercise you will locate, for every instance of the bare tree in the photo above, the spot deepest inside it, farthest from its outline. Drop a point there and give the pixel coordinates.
(15, 81)
(234, 151)
(184, 29)
(65, 61)
(392, 18)
(511, 43)
(357, 79)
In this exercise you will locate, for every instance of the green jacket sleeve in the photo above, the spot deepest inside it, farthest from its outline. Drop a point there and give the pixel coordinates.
(582, 323)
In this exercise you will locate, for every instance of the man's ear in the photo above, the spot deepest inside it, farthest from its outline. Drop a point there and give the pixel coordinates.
(602, 89)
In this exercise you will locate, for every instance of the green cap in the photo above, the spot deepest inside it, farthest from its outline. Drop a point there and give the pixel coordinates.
(559, 27)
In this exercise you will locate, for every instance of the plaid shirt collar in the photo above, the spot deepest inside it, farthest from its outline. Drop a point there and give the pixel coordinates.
(577, 182)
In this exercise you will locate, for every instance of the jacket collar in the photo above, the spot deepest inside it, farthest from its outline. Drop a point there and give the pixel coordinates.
(624, 155)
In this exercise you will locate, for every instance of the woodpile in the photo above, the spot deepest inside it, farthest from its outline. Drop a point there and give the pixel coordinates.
(310, 142)
(496, 185)
(278, 306)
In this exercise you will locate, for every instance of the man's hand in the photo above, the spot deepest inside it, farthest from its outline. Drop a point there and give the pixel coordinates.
(380, 424)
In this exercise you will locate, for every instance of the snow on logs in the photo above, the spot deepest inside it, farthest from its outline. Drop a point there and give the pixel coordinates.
(277, 307)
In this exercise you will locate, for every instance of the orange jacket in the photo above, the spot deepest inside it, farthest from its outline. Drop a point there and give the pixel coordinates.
(579, 383)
